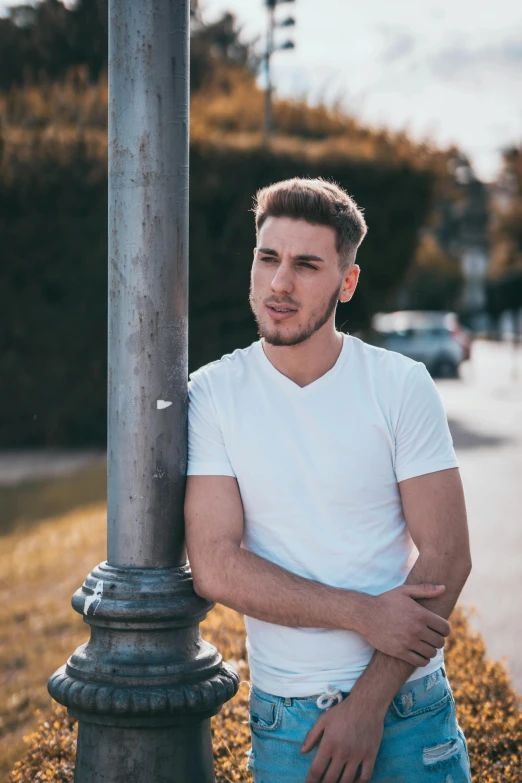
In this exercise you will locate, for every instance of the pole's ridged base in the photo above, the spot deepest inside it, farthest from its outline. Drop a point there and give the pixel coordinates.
(170, 754)
(145, 664)
(145, 706)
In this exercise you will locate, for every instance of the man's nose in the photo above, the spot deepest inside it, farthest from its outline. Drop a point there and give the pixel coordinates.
(282, 280)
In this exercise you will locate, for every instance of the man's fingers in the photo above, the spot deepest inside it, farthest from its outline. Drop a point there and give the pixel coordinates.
(435, 639)
(416, 660)
(312, 738)
(366, 772)
(406, 656)
(416, 657)
(426, 650)
(437, 623)
(349, 773)
(334, 772)
(423, 590)
(318, 767)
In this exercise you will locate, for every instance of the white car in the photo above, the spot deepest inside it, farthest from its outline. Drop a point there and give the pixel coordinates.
(434, 338)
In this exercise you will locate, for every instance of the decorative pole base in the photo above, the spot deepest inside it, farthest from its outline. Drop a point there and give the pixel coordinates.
(166, 755)
(145, 666)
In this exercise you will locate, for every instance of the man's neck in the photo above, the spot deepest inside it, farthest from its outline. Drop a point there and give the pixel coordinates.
(306, 362)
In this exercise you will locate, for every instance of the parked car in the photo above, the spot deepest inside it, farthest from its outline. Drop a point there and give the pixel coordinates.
(435, 338)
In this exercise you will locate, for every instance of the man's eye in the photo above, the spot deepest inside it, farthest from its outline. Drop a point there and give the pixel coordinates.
(268, 258)
(307, 265)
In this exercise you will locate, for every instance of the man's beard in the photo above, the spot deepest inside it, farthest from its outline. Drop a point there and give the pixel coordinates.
(278, 338)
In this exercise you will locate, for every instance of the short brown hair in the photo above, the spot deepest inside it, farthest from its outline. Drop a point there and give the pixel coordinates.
(316, 201)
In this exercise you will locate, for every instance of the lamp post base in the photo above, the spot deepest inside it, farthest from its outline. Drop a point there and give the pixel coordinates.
(109, 754)
(145, 685)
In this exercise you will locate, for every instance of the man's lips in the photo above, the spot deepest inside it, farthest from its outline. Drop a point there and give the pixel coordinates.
(281, 313)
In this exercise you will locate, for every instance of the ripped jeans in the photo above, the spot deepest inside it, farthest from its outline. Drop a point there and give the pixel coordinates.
(422, 741)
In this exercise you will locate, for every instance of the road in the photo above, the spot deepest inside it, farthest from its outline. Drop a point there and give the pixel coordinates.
(484, 410)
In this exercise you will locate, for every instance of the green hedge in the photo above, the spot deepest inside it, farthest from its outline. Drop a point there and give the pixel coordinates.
(53, 283)
(53, 269)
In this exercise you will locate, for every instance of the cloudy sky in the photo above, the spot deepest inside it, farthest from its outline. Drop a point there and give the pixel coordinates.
(451, 71)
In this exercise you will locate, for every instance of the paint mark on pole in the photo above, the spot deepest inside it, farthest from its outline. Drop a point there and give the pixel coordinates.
(94, 599)
(160, 404)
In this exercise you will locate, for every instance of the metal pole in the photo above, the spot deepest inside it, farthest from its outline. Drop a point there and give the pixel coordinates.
(145, 685)
(268, 124)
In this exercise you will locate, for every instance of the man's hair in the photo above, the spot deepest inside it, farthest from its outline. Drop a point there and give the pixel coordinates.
(318, 202)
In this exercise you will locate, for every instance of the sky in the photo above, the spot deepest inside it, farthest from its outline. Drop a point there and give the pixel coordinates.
(449, 71)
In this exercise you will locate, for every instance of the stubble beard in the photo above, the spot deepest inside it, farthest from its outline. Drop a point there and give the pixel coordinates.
(277, 337)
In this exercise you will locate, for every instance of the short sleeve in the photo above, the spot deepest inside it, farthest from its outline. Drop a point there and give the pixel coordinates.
(423, 442)
(207, 454)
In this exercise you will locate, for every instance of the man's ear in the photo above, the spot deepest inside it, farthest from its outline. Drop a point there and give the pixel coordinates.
(351, 278)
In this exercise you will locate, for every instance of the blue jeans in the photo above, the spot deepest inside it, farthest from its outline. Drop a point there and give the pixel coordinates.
(422, 741)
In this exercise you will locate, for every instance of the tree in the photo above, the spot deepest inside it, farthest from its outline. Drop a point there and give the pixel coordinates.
(434, 281)
(505, 274)
(44, 41)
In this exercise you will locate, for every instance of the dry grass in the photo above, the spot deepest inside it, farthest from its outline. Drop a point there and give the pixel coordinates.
(227, 110)
(41, 568)
(27, 503)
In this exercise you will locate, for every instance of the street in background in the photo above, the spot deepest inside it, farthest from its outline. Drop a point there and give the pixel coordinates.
(484, 410)
(435, 338)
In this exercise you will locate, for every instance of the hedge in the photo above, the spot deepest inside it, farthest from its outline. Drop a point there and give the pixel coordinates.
(53, 266)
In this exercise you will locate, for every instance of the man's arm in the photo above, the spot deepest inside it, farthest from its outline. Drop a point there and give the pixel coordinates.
(435, 512)
(223, 571)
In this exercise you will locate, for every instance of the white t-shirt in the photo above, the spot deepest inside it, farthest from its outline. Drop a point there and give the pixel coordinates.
(318, 470)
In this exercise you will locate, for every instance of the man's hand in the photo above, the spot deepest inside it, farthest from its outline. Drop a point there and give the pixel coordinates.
(397, 625)
(349, 735)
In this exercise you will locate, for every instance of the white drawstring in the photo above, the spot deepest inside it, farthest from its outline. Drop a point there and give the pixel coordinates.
(331, 695)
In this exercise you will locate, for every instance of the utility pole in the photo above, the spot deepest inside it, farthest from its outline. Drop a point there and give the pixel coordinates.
(145, 685)
(270, 48)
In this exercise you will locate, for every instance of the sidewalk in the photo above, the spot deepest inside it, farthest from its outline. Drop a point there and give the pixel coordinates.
(484, 410)
(20, 465)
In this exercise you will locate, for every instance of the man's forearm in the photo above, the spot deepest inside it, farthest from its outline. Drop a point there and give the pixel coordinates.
(392, 622)
(261, 589)
(385, 675)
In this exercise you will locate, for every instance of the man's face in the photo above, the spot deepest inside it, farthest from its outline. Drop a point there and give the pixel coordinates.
(296, 280)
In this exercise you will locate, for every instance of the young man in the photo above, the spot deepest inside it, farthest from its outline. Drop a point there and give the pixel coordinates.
(324, 502)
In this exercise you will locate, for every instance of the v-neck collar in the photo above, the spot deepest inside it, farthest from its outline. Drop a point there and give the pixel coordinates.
(319, 383)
